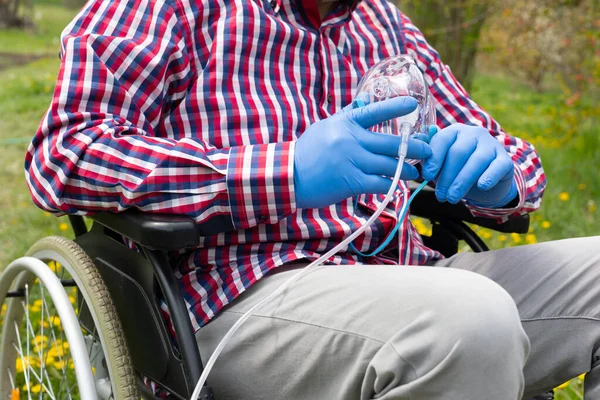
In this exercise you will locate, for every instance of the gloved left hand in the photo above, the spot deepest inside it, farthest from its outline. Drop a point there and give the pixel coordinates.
(467, 162)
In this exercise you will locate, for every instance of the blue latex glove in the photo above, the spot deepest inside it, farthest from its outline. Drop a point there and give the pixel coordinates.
(469, 163)
(338, 157)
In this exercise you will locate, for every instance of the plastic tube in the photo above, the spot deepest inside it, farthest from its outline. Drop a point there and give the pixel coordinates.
(405, 130)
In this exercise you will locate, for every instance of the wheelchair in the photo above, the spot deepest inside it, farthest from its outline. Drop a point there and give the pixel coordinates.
(83, 317)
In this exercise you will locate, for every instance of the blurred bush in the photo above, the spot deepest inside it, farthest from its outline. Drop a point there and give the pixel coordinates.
(544, 40)
(550, 45)
(453, 28)
(15, 13)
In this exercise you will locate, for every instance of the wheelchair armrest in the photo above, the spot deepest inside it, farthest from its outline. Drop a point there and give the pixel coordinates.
(426, 205)
(162, 231)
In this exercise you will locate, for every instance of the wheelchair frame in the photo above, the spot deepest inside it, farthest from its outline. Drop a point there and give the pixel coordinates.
(176, 364)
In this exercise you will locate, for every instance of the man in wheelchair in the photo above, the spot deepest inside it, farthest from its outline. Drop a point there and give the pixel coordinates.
(230, 113)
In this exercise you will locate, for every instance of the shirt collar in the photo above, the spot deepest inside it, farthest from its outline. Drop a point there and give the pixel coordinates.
(341, 15)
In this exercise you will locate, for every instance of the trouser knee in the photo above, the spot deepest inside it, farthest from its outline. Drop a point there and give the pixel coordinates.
(465, 341)
(482, 320)
(470, 321)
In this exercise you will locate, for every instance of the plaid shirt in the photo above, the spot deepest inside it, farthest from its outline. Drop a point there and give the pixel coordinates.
(193, 107)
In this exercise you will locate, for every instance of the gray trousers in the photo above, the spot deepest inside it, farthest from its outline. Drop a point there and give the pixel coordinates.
(502, 325)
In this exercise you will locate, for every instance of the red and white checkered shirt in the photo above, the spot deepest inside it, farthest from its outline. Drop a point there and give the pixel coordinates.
(193, 107)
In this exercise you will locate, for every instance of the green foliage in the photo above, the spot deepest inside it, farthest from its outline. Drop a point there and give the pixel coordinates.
(15, 13)
(452, 28)
(546, 40)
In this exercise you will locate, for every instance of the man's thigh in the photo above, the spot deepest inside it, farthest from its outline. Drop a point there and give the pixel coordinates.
(556, 286)
(328, 336)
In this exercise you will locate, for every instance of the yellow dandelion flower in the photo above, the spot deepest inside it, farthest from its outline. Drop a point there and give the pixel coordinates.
(530, 238)
(502, 238)
(58, 364)
(486, 234)
(63, 226)
(35, 308)
(564, 385)
(581, 186)
(3, 308)
(39, 339)
(421, 229)
(56, 321)
(37, 303)
(47, 214)
(45, 324)
(72, 299)
(546, 224)
(36, 389)
(563, 196)
(516, 237)
(56, 352)
(591, 206)
(25, 362)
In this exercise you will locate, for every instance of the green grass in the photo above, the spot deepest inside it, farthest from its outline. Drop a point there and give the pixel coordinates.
(568, 143)
(25, 93)
(564, 136)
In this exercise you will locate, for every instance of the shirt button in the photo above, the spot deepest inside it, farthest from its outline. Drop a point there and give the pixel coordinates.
(273, 3)
(263, 218)
(329, 98)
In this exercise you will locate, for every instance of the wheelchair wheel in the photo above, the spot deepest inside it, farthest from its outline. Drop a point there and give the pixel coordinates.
(61, 336)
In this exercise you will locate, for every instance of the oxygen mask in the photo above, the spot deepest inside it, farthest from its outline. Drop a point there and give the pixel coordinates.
(398, 76)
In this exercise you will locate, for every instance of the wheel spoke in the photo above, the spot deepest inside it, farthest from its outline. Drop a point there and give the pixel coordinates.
(41, 349)
(26, 307)
(27, 381)
(92, 359)
(62, 342)
(28, 366)
(12, 380)
(19, 350)
(55, 342)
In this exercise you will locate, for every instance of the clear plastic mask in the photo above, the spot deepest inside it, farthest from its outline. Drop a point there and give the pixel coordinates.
(392, 77)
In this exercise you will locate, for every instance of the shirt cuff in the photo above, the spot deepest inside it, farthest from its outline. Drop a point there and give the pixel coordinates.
(260, 183)
(501, 213)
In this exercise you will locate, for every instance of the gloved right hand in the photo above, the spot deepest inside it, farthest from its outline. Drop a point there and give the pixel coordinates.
(338, 157)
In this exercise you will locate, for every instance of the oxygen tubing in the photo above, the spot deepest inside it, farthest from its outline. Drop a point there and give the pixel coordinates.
(405, 130)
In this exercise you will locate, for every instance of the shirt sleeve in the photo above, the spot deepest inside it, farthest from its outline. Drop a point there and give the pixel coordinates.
(454, 105)
(124, 66)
